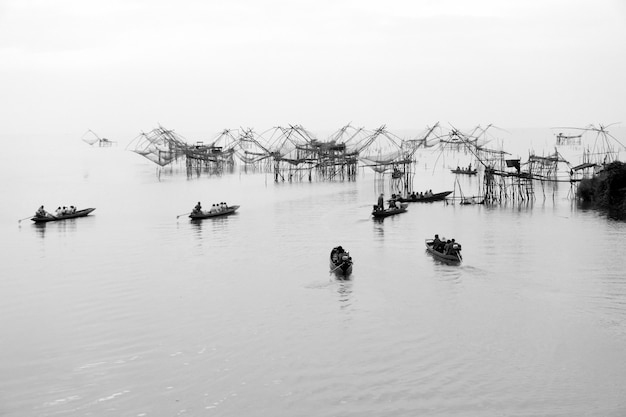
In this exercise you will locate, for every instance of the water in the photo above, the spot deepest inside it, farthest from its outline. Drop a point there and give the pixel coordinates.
(133, 312)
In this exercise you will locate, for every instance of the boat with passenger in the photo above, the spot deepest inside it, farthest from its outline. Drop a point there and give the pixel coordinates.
(424, 197)
(216, 210)
(444, 250)
(466, 171)
(380, 213)
(42, 216)
(340, 261)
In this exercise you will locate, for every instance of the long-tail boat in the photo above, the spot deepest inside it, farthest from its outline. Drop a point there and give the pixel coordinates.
(52, 218)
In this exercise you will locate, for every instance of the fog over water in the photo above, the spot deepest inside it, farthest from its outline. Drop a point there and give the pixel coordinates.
(132, 311)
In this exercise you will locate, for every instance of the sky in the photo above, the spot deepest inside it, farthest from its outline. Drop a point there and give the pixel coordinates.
(122, 67)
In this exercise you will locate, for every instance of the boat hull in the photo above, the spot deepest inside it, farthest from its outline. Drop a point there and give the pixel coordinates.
(435, 197)
(380, 214)
(78, 213)
(464, 171)
(226, 212)
(453, 258)
(343, 270)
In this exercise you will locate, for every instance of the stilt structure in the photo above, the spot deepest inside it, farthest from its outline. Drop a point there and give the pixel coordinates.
(92, 138)
(161, 146)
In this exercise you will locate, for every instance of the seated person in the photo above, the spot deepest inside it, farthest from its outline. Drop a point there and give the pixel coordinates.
(41, 212)
(437, 243)
(198, 208)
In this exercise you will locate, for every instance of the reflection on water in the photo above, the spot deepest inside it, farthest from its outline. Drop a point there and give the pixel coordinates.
(138, 311)
(40, 228)
(344, 289)
(61, 226)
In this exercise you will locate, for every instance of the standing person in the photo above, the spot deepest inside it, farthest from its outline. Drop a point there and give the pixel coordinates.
(381, 201)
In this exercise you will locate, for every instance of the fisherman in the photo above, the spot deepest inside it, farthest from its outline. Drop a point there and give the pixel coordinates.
(198, 208)
(437, 243)
(41, 212)
(72, 209)
(381, 201)
(213, 209)
(451, 247)
(446, 247)
(58, 212)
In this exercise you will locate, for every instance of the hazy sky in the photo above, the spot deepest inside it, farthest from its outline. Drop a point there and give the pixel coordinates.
(120, 67)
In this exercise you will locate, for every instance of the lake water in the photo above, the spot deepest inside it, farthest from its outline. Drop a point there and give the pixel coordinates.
(133, 312)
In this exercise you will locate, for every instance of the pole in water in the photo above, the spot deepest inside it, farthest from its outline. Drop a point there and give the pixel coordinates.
(182, 214)
(20, 220)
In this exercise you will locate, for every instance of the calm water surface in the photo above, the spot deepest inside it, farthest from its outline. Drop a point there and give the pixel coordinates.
(133, 312)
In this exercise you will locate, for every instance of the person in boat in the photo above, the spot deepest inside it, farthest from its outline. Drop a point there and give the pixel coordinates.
(340, 256)
(452, 248)
(381, 201)
(446, 247)
(437, 243)
(198, 208)
(413, 196)
(392, 202)
(429, 193)
(213, 209)
(337, 255)
(41, 212)
(72, 209)
(58, 212)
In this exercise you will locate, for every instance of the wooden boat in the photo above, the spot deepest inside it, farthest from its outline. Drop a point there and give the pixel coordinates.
(471, 200)
(413, 198)
(382, 213)
(464, 171)
(453, 256)
(340, 262)
(207, 214)
(51, 218)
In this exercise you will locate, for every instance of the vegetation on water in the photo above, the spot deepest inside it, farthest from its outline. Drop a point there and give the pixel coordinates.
(606, 190)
